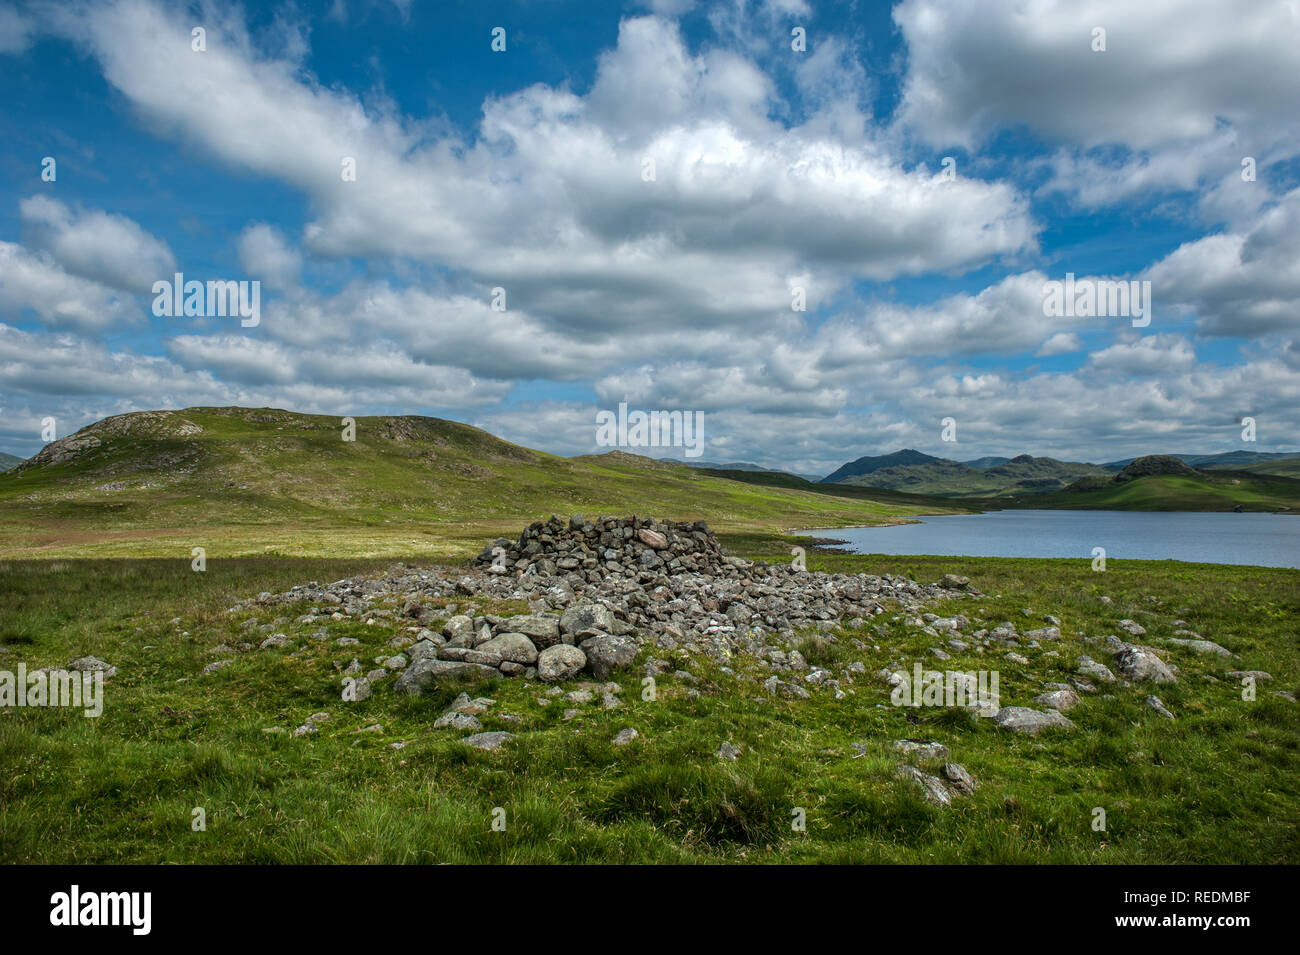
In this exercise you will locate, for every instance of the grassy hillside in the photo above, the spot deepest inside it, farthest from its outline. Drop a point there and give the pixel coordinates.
(7, 461)
(1231, 460)
(1287, 467)
(243, 481)
(1198, 491)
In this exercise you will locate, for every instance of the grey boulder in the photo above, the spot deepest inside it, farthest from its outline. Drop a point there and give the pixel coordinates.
(932, 787)
(424, 673)
(543, 631)
(1140, 664)
(560, 662)
(508, 647)
(606, 653)
(1022, 719)
(488, 741)
(586, 617)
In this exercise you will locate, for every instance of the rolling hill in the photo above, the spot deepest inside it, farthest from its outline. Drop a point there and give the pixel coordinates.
(241, 480)
(1234, 460)
(8, 461)
(1165, 483)
(1283, 467)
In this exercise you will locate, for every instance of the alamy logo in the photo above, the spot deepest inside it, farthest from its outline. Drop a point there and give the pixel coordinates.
(651, 429)
(1088, 298)
(53, 688)
(948, 688)
(216, 298)
(103, 908)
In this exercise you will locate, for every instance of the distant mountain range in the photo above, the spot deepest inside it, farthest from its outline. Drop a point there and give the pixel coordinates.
(919, 473)
(738, 466)
(915, 472)
(8, 460)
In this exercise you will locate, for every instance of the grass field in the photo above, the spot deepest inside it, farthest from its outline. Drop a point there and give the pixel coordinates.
(1219, 784)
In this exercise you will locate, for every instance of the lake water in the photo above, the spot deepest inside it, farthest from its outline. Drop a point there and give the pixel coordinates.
(1267, 540)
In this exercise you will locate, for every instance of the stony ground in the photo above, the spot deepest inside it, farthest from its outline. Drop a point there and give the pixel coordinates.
(716, 709)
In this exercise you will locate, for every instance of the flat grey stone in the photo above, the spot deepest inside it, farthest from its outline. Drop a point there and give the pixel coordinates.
(1059, 700)
(488, 741)
(424, 673)
(921, 749)
(458, 721)
(1022, 719)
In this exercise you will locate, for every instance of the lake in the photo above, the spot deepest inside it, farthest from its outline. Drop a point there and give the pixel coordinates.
(1267, 540)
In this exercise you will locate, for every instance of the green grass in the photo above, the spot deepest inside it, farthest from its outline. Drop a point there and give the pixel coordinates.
(1221, 784)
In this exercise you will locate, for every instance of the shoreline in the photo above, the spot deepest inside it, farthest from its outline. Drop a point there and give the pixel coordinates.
(804, 532)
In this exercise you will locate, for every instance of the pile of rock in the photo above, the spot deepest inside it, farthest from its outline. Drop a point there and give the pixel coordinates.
(659, 584)
(618, 545)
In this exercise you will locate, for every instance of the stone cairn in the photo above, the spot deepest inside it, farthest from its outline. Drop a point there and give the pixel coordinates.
(607, 545)
(598, 592)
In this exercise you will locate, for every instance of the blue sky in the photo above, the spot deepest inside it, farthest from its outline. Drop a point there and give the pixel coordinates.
(775, 168)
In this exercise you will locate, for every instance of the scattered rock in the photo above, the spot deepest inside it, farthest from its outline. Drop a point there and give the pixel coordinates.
(1022, 719)
(1201, 646)
(488, 741)
(959, 780)
(932, 788)
(361, 690)
(1140, 664)
(728, 752)
(1098, 671)
(922, 749)
(1155, 704)
(625, 736)
(1059, 700)
(96, 665)
(458, 721)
